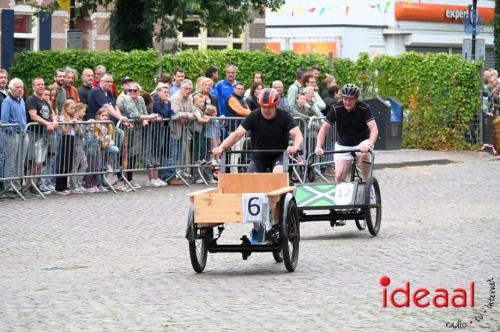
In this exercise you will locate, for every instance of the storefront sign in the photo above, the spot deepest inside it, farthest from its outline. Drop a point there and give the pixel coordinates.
(431, 12)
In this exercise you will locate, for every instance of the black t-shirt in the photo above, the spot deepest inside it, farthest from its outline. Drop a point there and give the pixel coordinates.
(352, 126)
(269, 134)
(97, 98)
(42, 109)
(83, 94)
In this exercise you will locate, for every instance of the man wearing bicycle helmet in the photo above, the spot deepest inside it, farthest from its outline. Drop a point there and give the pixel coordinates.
(270, 129)
(356, 129)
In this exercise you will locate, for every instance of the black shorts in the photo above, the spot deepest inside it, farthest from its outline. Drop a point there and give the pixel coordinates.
(264, 166)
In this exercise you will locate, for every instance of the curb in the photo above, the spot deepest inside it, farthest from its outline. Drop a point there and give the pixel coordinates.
(413, 163)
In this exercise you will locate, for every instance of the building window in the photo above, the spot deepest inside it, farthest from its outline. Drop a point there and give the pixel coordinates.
(216, 47)
(22, 23)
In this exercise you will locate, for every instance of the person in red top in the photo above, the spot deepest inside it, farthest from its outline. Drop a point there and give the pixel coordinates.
(99, 70)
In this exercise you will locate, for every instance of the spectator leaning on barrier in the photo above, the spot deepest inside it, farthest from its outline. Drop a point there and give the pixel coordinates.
(182, 108)
(102, 96)
(206, 89)
(161, 106)
(278, 86)
(133, 107)
(124, 81)
(225, 88)
(84, 90)
(13, 111)
(45, 120)
(69, 85)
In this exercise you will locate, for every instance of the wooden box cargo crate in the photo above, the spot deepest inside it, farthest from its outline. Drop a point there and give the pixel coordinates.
(224, 204)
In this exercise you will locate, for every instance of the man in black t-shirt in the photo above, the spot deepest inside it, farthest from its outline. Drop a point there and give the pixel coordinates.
(84, 90)
(356, 129)
(44, 123)
(270, 129)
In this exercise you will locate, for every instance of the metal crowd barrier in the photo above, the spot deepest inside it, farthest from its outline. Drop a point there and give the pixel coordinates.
(13, 146)
(83, 154)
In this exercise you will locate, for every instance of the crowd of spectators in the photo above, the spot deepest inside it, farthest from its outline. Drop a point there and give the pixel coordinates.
(179, 110)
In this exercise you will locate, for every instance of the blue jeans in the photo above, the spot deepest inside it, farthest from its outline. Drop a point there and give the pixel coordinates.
(174, 154)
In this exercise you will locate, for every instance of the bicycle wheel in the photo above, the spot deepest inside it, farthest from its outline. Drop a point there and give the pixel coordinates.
(290, 232)
(198, 246)
(373, 209)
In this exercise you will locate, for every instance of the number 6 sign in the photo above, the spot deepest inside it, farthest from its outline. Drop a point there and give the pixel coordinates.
(255, 207)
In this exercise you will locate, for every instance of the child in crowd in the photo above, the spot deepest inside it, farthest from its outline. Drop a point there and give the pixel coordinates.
(49, 167)
(80, 159)
(212, 131)
(94, 140)
(66, 145)
(104, 134)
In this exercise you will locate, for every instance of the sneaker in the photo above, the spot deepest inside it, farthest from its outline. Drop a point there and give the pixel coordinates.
(212, 181)
(152, 183)
(161, 182)
(198, 181)
(101, 189)
(257, 235)
(78, 190)
(109, 169)
(135, 185)
(45, 190)
(92, 190)
(63, 192)
(51, 187)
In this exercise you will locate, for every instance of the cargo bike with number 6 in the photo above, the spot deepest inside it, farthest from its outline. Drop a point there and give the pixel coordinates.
(264, 198)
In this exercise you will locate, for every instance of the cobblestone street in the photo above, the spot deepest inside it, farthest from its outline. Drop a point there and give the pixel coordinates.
(106, 262)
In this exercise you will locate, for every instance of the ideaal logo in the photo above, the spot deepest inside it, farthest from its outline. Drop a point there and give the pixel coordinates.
(439, 298)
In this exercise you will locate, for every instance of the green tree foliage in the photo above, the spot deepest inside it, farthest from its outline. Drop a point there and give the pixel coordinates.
(171, 15)
(440, 93)
(131, 27)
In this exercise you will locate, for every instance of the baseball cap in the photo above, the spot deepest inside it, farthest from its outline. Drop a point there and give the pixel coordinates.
(126, 79)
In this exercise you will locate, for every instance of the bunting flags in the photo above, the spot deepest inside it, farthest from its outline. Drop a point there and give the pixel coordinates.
(374, 5)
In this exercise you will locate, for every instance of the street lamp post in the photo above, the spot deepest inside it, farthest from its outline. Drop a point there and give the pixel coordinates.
(473, 18)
